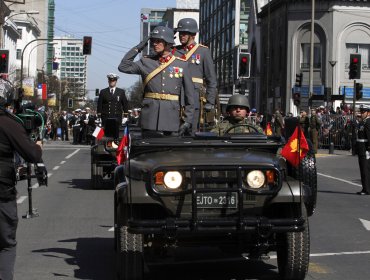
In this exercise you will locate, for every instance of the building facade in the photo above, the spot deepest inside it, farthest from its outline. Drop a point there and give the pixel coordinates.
(224, 29)
(282, 43)
(70, 65)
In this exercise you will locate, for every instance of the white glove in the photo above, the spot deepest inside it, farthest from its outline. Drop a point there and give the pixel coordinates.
(367, 155)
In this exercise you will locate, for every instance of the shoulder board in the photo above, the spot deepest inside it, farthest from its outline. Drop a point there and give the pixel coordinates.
(200, 45)
(179, 58)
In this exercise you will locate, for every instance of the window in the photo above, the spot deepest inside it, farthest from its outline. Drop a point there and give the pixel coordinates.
(305, 56)
(363, 49)
(19, 53)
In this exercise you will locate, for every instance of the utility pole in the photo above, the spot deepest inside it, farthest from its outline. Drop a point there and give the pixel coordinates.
(312, 50)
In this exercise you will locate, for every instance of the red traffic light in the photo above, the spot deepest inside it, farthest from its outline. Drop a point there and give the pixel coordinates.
(355, 60)
(86, 48)
(244, 59)
(3, 56)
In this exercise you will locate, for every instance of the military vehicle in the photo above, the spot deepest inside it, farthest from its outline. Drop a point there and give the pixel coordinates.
(234, 192)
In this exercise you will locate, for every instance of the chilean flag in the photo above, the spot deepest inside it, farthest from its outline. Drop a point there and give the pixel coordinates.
(123, 150)
(98, 133)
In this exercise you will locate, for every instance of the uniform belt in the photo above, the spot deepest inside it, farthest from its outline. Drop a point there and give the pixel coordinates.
(161, 96)
(362, 140)
(197, 80)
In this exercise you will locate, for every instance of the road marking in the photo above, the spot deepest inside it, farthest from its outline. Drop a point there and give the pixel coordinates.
(71, 155)
(63, 162)
(342, 180)
(111, 229)
(21, 199)
(333, 254)
(365, 223)
(56, 167)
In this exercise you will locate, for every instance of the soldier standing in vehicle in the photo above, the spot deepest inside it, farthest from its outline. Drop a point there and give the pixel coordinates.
(112, 101)
(164, 76)
(363, 149)
(237, 120)
(315, 125)
(201, 67)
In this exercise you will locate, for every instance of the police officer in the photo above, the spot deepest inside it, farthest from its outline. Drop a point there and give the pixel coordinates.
(164, 76)
(201, 66)
(237, 120)
(13, 138)
(315, 126)
(112, 101)
(363, 149)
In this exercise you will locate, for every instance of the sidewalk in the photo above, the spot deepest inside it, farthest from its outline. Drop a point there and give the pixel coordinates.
(321, 152)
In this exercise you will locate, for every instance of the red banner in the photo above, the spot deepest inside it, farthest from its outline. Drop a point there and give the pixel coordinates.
(296, 149)
(44, 92)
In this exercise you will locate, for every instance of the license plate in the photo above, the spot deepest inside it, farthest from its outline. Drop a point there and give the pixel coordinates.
(217, 200)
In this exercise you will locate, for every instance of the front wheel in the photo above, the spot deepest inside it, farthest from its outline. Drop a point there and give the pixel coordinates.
(293, 252)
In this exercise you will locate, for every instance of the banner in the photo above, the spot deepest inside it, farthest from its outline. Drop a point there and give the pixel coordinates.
(52, 99)
(28, 86)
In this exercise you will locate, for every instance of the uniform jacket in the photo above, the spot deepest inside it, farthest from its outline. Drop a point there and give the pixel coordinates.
(13, 138)
(112, 105)
(162, 115)
(222, 127)
(201, 66)
(363, 137)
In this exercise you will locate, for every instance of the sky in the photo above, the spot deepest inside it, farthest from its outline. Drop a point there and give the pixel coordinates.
(115, 28)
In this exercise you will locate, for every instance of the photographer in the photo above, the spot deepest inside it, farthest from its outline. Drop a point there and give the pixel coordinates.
(13, 138)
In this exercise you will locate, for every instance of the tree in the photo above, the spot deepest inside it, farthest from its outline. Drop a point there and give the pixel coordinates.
(135, 94)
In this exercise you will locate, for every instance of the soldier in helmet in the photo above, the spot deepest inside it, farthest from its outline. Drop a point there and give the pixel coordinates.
(237, 117)
(363, 149)
(164, 76)
(201, 66)
(112, 101)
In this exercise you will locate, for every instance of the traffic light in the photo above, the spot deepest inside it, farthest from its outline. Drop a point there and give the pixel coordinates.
(86, 49)
(298, 80)
(297, 99)
(4, 61)
(355, 66)
(244, 65)
(358, 91)
(70, 103)
(96, 92)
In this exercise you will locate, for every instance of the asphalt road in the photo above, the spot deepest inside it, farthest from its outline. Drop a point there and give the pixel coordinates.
(73, 236)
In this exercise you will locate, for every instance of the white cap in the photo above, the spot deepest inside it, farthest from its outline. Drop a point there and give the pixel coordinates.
(112, 76)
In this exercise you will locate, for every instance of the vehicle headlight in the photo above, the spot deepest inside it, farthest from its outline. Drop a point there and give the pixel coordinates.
(172, 179)
(114, 145)
(255, 179)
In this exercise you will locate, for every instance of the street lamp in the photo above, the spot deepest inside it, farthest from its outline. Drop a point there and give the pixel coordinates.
(332, 64)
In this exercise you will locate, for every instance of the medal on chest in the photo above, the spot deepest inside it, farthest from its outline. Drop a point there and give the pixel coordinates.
(197, 59)
(177, 71)
(171, 72)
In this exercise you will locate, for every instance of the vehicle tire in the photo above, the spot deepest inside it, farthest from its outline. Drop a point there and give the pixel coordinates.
(309, 178)
(293, 252)
(130, 259)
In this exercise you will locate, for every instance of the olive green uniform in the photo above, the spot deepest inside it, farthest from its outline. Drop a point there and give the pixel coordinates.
(315, 125)
(241, 127)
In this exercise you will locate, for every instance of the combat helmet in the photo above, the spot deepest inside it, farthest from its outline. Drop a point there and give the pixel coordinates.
(187, 25)
(163, 33)
(238, 100)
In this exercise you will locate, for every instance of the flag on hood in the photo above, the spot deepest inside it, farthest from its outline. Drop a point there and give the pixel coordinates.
(290, 150)
(123, 150)
(268, 130)
(98, 132)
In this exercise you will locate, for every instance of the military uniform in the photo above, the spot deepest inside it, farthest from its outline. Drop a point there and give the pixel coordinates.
(278, 124)
(315, 125)
(13, 138)
(229, 122)
(161, 104)
(363, 151)
(202, 71)
(112, 105)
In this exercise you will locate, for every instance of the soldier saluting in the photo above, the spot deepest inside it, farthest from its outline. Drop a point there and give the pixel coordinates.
(363, 149)
(201, 66)
(164, 76)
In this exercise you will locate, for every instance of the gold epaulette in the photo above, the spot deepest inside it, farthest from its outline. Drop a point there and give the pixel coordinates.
(180, 58)
(200, 45)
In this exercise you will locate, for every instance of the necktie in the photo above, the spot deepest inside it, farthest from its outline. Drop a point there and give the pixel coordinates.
(111, 91)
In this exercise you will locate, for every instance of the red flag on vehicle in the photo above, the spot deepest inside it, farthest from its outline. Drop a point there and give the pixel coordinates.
(123, 150)
(290, 150)
(268, 130)
(98, 132)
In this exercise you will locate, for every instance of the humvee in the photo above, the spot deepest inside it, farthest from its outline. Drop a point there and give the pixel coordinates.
(235, 192)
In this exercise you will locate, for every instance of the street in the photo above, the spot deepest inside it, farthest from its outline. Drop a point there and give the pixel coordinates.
(73, 236)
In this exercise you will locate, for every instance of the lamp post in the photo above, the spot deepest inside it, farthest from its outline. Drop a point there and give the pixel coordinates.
(312, 38)
(332, 64)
